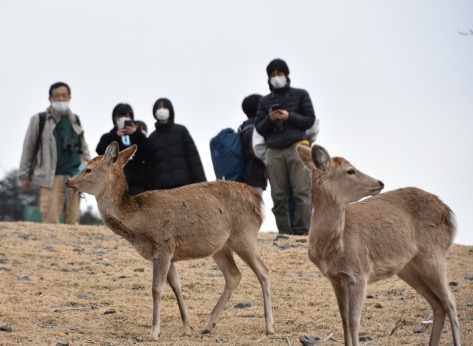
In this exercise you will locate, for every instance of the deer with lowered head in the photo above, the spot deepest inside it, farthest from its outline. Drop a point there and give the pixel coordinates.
(215, 219)
(405, 232)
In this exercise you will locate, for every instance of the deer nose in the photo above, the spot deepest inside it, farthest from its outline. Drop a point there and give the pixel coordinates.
(381, 184)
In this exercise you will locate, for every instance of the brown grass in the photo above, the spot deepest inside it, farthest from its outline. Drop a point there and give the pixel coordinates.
(75, 277)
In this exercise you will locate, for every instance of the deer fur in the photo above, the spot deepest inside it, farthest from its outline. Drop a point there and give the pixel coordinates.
(405, 232)
(199, 220)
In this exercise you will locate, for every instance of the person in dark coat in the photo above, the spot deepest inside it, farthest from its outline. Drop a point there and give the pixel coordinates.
(283, 118)
(125, 133)
(172, 157)
(255, 170)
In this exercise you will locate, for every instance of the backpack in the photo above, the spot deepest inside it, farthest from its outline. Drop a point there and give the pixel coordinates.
(227, 154)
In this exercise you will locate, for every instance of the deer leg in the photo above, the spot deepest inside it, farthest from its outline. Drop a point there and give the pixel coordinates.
(249, 254)
(436, 280)
(341, 293)
(356, 297)
(431, 283)
(226, 262)
(175, 283)
(161, 266)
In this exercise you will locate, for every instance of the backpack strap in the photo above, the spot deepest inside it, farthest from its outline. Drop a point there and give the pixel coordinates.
(246, 128)
(79, 137)
(42, 122)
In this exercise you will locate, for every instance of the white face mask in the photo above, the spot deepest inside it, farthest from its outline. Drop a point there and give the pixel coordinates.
(121, 122)
(278, 81)
(61, 106)
(162, 114)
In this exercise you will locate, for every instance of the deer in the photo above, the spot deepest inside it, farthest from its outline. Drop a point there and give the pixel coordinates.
(217, 219)
(405, 232)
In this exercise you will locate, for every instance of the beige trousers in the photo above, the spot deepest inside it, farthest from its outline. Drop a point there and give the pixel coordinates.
(59, 200)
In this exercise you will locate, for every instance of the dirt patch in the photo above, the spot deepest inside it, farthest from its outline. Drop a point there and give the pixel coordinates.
(87, 286)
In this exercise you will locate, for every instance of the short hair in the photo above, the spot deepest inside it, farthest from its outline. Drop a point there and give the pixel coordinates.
(250, 105)
(58, 85)
(122, 109)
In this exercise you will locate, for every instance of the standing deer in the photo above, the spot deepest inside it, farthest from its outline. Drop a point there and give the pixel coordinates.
(405, 232)
(200, 220)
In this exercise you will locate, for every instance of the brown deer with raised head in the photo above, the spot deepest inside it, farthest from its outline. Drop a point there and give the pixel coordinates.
(405, 232)
(199, 220)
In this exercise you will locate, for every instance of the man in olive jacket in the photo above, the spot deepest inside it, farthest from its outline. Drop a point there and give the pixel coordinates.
(49, 158)
(283, 118)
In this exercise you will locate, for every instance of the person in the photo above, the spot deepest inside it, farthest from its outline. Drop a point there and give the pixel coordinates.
(172, 158)
(126, 133)
(283, 118)
(52, 154)
(259, 148)
(255, 169)
(141, 125)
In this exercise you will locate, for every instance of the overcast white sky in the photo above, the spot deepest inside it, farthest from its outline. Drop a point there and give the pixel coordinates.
(391, 81)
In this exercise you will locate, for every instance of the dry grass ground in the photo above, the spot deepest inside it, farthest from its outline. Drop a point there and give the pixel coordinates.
(57, 283)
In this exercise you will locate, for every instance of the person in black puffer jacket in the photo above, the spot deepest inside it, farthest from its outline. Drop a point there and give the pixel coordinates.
(126, 136)
(283, 118)
(172, 157)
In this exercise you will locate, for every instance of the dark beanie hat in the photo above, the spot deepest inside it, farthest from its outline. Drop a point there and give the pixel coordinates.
(277, 64)
(250, 105)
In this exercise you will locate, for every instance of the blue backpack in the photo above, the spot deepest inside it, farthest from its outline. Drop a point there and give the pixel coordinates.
(227, 154)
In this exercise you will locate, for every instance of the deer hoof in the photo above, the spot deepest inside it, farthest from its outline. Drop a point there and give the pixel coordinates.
(269, 329)
(205, 331)
(154, 335)
(186, 333)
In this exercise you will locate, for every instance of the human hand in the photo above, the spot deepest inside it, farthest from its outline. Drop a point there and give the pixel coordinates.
(121, 131)
(129, 130)
(26, 185)
(279, 114)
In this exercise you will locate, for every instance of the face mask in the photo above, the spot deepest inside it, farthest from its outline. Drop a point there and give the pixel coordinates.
(61, 106)
(278, 81)
(121, 122)
(162, 114)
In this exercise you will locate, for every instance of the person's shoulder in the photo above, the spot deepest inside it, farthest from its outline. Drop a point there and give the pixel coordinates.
(110, 133)
(297, 90)
(266, 97)
(179, 128)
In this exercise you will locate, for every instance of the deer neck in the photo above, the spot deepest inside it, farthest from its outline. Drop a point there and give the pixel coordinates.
(328, 223)
(117, 207)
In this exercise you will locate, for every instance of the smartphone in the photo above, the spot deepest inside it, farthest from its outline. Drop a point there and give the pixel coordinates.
(275, 107)
(128, 123)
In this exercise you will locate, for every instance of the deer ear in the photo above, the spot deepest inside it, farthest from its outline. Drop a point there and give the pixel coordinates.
(127, 154)
(321, 158)
(304, 153)
(111, 153)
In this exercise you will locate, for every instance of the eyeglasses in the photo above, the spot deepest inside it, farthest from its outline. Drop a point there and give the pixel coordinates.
(60, 96)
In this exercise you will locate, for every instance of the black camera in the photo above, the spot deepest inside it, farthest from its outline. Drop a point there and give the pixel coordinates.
(128, 123)
(275, 107)
(69, 145)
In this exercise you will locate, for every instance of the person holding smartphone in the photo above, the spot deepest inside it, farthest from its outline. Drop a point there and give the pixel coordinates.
(125, 133)
(283, 118)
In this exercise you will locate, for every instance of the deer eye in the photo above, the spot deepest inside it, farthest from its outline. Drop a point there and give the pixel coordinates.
(88, 170)
(351, 171)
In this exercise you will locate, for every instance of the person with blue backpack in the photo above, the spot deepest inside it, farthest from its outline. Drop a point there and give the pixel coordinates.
(283, 118)
(255, 174)
(232, 152)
